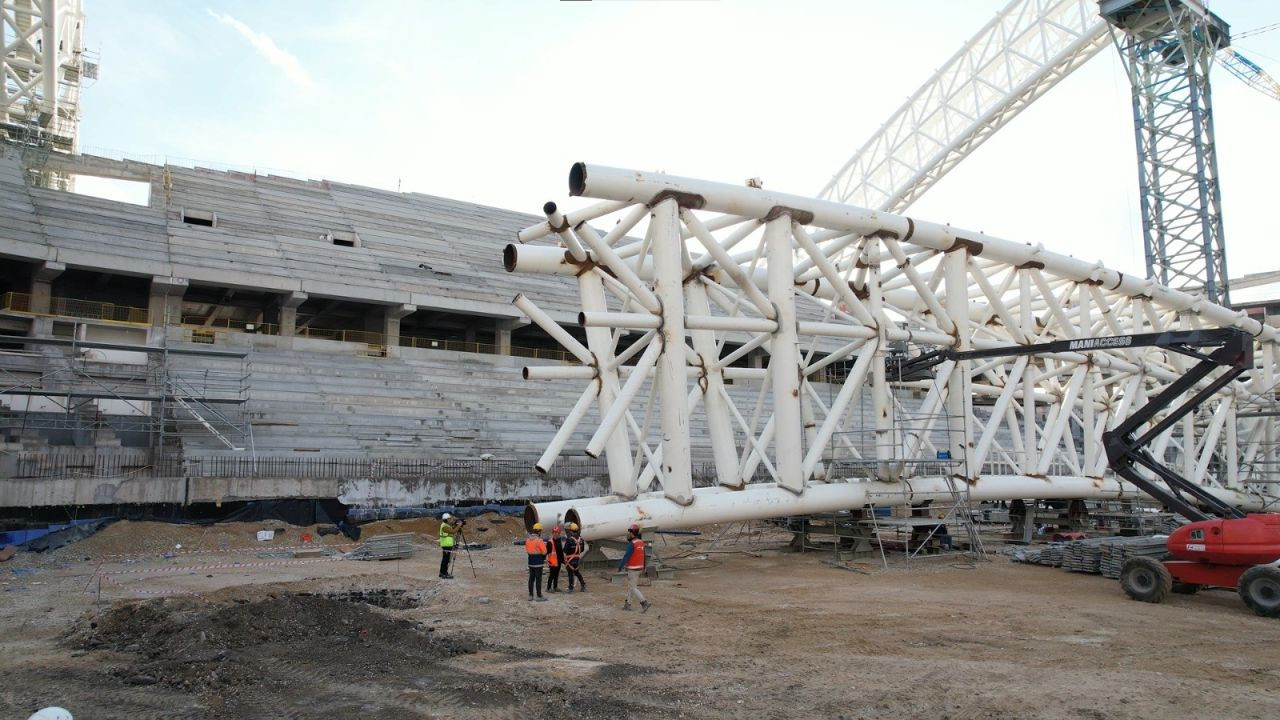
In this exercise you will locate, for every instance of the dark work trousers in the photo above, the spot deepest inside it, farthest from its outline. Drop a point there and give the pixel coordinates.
(573, 572)
(553, 578)
(535, 580)
(446, 558)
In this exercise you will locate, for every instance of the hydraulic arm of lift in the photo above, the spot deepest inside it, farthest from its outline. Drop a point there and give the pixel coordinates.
(1126, 448)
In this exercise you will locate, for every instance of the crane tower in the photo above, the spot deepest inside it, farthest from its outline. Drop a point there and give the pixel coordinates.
(1167, 47)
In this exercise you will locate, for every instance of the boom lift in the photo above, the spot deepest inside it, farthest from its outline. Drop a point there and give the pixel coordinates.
(1223, 547)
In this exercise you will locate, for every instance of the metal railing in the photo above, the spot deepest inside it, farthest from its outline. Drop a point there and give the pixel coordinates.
(54, 464)
(72, 307)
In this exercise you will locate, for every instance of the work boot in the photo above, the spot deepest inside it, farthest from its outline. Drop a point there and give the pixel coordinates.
(626, 606)
(644, 606)
(570, 590)
(541, 599)
(530, 598)
(446, 577)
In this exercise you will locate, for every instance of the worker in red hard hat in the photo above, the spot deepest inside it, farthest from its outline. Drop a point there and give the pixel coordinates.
(633, 563)
(555, 559)
(574, 547)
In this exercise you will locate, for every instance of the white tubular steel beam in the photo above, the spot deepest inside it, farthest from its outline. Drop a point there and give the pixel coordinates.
(784, 357)
(874, 308)
(606, 517)
(640, 187)
(668, 264)
(1024, 51)
(600, 343)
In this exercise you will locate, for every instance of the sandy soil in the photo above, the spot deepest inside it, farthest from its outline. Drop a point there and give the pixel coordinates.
(749, 630)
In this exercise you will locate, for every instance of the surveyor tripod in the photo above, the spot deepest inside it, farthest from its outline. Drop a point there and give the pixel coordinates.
(462, 536)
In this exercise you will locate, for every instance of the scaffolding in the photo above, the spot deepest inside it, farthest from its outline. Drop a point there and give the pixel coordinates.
(941, 526)
(63, 395)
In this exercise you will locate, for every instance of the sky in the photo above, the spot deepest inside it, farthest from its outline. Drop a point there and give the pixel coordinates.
(491, 102)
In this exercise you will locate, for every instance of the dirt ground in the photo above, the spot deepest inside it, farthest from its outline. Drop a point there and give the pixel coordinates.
(112, 628)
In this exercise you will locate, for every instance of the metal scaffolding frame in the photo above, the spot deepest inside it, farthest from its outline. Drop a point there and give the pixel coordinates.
(143, 389)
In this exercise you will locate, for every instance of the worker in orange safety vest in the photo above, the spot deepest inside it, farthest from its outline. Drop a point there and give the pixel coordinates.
(555, 559)
(536, 548)
(633, 563)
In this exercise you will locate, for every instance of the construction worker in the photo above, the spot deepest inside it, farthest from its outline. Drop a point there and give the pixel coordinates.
(449, 526)
(633, 563)
(574, 546)
(555, 559)
(536, 548)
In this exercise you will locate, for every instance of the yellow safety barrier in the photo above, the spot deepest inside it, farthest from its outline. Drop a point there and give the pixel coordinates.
(75, 308)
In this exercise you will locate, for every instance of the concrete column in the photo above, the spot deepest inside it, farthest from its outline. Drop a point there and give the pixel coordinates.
(289, 312)
(502, 329)
(391, 325)
(42, 285)
(165, 302)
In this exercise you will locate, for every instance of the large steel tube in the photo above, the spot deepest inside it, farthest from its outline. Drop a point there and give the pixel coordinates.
(668, 255)
(609, 517)
(641, 187)
(784, 357)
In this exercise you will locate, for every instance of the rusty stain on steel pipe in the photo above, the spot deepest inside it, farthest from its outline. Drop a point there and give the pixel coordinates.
(804, 217)
(688, 200)
(973, 246)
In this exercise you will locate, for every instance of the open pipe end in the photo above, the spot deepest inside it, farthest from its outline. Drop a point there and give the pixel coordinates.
(571, 516)
(524, 373)
(509, 257)
(582, 319)
(577, 179)
(530, 517)
(516, 300)
(548, 208)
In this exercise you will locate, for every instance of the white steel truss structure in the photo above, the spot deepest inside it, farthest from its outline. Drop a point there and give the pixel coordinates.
(720, 271)
(41, 70)
(1024, 51)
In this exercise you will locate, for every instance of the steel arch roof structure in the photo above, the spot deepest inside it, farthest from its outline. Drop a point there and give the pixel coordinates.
(720, 270)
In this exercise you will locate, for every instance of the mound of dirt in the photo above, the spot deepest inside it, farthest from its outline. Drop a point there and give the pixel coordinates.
(192, 644)
(139, 539)
(493, 528)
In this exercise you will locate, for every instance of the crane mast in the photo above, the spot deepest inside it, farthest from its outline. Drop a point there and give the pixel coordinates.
(1167, 47)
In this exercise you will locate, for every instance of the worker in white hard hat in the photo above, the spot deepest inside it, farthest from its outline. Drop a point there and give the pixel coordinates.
(449, 526)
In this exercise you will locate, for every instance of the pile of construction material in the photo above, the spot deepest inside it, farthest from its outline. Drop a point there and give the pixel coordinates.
(384, 547)
(1103, 556)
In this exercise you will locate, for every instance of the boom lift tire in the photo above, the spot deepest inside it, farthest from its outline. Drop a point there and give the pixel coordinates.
(1145, 579)
(1259, 588)
(1182, 588)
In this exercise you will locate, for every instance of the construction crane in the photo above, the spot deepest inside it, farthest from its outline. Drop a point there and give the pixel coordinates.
(1248, 71)
(1024, 51)
(41, 67)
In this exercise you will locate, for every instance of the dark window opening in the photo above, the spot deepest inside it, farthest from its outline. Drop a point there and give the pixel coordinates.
(343, 238)
(204, 218)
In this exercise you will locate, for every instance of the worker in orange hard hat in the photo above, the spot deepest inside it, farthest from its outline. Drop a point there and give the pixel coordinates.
(555, 559)
(574, 547)
(536, 548)
(633, 563)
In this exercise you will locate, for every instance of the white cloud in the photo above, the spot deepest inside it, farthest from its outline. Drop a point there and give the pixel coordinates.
(267, 48)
